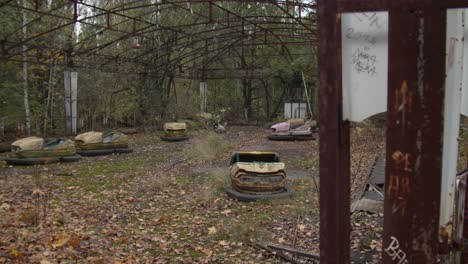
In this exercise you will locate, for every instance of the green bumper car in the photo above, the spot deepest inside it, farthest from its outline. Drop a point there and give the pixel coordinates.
(98, 143)
(35, 150)
(174, 131)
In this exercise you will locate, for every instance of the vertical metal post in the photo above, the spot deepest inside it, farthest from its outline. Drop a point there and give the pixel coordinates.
(27, 113)
(203, 96)
(334, 141)
(67, 94)
(453, 85)
(73, 102)
(414, 132)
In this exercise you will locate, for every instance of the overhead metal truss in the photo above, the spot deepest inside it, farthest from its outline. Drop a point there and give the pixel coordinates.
(188, 36)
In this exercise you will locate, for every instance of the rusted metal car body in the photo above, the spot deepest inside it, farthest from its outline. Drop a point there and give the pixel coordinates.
(292, 129)
(257, 175)
(97, 143)
(35, 150)
(175, 131)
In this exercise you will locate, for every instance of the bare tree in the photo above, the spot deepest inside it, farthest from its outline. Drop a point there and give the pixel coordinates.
(25, 72)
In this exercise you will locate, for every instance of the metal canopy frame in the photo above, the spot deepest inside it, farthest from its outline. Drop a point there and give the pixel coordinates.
(416, 72)
(416, 77)
(207, 29)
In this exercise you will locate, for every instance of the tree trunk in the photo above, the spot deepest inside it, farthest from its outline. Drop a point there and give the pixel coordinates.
(2, 128)
(166, 100)
(49, 95)
(267, 98)
(280, 102)
(25, 73)
(247, 93)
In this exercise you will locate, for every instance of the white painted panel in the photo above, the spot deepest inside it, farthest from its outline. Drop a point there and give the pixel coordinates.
(453, 84)
(287, 110)
(295, 110)
(203, 99)
(365, 64)
(464, 95)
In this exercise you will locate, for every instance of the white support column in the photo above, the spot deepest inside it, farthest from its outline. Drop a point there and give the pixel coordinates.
(203, 90)
(453, 84)
(464, 94)
(70, 80)
(74, 101)
(67, 85)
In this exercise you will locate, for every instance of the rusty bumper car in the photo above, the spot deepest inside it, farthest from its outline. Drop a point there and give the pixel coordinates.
(292, 129)
(35, 150)
(175, 131)
(97, 143)
(257, 175)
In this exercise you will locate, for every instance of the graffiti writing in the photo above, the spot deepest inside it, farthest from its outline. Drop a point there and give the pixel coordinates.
(360, 36)
(371, 18)
(404, 98)
(403, 160)
(394, 251)
(363, 61)
(398, 187)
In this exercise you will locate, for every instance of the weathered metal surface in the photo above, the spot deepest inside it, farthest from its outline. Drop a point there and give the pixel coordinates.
(257, 172)
(29, 148)
(377, 176)
(371, 198)
(334, 142)
(453, 83)
(365, 64)
(414, 132)
(382, 5)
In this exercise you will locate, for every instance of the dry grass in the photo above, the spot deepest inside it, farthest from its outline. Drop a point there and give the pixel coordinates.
(213, 186)
(208, 147)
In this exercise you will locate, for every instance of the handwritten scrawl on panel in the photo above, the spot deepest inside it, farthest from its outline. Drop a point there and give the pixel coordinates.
(365, 64)
(395, 252)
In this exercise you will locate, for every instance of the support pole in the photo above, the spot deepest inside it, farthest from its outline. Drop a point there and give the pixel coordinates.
(203, 88)
(25, 71)
(334, 141)
(70, 80)
(414, 132)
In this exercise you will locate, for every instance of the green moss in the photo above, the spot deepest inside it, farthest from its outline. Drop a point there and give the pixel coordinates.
(195, 253)
(104, 175)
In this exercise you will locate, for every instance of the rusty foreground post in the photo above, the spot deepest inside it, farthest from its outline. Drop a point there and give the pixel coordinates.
(334, 142)
(414, 132)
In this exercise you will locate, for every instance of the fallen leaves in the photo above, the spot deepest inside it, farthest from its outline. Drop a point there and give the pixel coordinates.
(16, 254)
(5, 206)
(61, 240)
(117, 216)
(212, 230)
(223, 243)
(163, 219)
(208, 252)
(64, 238)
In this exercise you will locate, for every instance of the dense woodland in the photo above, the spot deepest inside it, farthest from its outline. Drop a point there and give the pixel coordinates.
(140, 64)
(132, 73)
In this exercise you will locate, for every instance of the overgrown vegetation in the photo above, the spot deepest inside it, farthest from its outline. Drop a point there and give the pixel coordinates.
(147, 70)
(207, 147)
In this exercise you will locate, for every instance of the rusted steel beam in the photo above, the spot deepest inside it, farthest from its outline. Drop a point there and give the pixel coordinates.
(414, 131)
(334, 141)
(383, 5)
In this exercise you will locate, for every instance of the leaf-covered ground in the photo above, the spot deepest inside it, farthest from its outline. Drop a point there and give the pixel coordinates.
(165, 203)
